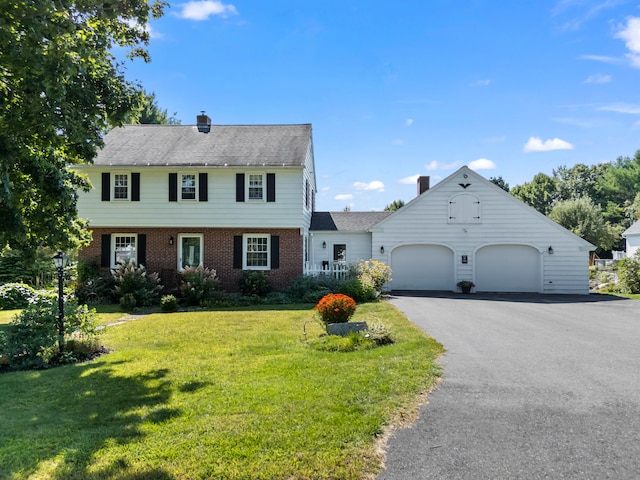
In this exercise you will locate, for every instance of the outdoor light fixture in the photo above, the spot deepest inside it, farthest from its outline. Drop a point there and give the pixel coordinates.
(382, 249)
(324, 244)
(60, 260)
(550, 250)
(171, 240)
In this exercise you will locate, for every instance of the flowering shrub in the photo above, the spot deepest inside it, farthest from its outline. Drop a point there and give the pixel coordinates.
(374, 273)
(335, 308)
(16, 295)
(197, 284)
(134, 287)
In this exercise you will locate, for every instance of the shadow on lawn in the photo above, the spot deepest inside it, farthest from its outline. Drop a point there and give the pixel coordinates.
(66, 415)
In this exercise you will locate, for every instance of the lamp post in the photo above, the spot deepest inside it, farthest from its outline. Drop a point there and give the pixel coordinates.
(60, 260)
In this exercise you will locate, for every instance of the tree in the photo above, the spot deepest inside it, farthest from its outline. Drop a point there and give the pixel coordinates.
(499, 181)
(60, 89)
(393, 206)
(540, 193)
(584, 218)
(149, 112)
(580, 181)
(619, 185)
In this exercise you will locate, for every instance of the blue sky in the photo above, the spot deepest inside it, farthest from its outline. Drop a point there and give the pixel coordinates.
(400, 89)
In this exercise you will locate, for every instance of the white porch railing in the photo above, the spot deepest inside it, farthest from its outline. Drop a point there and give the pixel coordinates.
(337, 270)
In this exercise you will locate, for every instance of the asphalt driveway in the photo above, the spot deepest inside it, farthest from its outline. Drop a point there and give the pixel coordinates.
(535, 387)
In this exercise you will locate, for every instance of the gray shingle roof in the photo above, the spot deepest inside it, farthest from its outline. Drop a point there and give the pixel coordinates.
(225, 145)
(346, 221)
(632, 230)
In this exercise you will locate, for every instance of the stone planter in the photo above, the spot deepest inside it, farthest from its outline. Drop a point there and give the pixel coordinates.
(344, 329)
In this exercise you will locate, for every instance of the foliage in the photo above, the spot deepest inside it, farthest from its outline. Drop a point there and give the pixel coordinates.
(92, 285)
(60, 89)
(621, 180)
(32, 339)
(373, 272)
(463, 284)
(31, 266)
(380, 333)
(335, 308)
(585, 219)
(395, 205)
(355, 288)
(197, 284)
(16, 295)
(254, 282)
(579, 181)
(148, 112)
(629, 275)
(134, 287)
(499, 181)
(540, 193)
(310, 288)
(169, 304)
(338, 343)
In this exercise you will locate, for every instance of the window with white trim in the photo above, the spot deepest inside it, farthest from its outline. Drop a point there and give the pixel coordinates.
(124, 248)
(340, 253)
(188, 186)
(121, 186)
(255, 186)
(256, 255)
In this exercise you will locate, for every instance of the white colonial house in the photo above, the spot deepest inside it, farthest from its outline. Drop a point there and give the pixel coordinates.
(242, 197)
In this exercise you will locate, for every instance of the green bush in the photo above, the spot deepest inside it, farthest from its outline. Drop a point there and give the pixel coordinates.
(31, 340)
(96, 289)
(139, 288)
(16, 295)
(197, 285)
(168, 304)
(629, 275)
(380, 334)
(253, 282)
(336, 343)
(310, 289)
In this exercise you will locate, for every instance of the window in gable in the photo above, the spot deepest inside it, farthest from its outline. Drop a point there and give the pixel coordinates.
(464, 208)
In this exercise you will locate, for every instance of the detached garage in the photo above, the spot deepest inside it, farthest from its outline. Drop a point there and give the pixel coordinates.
(467, 228)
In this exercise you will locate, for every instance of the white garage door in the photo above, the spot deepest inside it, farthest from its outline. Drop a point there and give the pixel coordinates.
(508, 268)
(422, 267)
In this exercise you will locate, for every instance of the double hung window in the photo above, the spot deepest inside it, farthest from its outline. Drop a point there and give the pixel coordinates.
(256, 252)
(124, 248)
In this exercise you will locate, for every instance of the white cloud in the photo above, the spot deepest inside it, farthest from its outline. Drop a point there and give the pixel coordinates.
(536, 144)
(376, 185)
(343, 196)
(203, 9)
(482, 164)
(481, 83)
(325, 189)
(598, 78)
(439, 166)
(622, 108)
(409, 122)
(631, 36)
(600, 58)
(410, 180)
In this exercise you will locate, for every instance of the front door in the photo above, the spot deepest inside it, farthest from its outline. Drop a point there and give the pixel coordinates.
(189, 250)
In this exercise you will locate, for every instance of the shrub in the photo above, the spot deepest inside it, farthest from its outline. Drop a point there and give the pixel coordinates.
(168, 304)
(335, 308)
(32, 338)
(629, 275)
(380, 334)
(16, 295)
(372, 275)
(97, 289)
(336, 343)
(140, 288)
(197, 285)
(359, 289)
(253, 282)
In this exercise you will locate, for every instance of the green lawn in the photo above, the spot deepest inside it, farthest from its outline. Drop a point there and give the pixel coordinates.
(216, 395)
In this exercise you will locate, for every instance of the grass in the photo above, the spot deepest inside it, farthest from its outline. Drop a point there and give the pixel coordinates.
(232, 394)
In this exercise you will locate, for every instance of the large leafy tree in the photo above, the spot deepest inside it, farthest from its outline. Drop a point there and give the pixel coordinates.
(580, 181)
(540, 193)
(585, 219)
(149, 112)
(619, 186)
(61, 87)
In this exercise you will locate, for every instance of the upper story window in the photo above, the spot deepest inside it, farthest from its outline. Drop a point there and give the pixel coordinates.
(121, 186)
(464, 208)
(255, 186)
(189, 185)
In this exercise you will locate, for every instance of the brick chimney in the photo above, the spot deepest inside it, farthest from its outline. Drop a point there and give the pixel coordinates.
(423, 184)
(203, 122)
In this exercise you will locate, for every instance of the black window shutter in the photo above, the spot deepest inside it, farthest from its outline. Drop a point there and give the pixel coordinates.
(135, 187)
(105, 247)
(203, 187)
(239, 187)
(142, 249)
(237, 251)
(271, 187)
(275, 251)
(173, 187)
(106, 186)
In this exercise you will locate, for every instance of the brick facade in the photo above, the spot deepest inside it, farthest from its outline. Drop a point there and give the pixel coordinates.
(162, 257)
